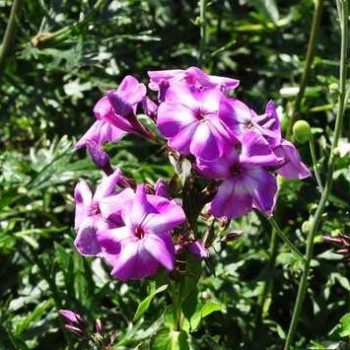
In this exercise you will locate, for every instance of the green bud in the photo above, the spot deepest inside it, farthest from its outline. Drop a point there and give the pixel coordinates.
(302, 131)
(305, 227)
(333, 88)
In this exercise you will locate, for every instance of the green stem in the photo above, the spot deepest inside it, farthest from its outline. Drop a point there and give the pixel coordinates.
(314, 163)
(203, 31)
(9, 35)
(45, 38)
(176, 305)
(264, 300)
(308, 63)
(284, 237)
(329, 180)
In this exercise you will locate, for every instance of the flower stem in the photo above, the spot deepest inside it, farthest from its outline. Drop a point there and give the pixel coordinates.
(314, 163)
(286, 240)
(9, 34)
(308, 63)
(329, 180)
(203, 31)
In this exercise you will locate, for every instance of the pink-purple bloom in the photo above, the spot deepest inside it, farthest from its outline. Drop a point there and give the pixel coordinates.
(89, 212)
(224, 139)
(116, 116)
(196, 122)
(142, 243)
(193, 77)
(247, 182)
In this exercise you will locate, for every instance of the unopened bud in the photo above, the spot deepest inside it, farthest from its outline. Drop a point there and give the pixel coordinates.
(302, 131)
(99, 326)
(232, 236)
(333, 88)
(75, 330)
(305, 227)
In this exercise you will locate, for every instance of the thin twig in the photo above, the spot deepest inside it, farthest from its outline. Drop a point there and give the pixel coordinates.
(9, 35)
(308, 63)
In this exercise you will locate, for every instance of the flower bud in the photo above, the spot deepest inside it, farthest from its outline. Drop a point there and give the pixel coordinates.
(302, 131)
(305, 227)
(333, 87)
(99, 326)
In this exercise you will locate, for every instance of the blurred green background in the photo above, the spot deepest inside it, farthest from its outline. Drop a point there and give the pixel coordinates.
(65, 56)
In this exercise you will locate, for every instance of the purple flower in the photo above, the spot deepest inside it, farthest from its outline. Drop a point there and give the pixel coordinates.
(161, 188)
(71, 316)
(75, 323)
(193, 77)
(116, 116)
(89, 212)
(198, 249)
(142, 243)
(293, 167)
(267, 124)
(197, 122)
(247, 183)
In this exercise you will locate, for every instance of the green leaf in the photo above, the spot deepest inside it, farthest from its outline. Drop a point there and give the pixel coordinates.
(145, 303)
(345, 325)
(268, 8)
(210, 307)
(167, 339)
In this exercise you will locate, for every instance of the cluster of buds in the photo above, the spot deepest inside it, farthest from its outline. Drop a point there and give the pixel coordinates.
(342, 242)
(76, 325)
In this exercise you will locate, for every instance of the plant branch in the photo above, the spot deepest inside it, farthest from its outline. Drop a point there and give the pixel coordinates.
(286, 240)
(308, 63)
(203, 31)
(314, 163)
(329, 180)
(9, 34)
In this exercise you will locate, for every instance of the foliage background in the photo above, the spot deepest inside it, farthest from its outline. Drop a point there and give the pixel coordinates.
(66, 54)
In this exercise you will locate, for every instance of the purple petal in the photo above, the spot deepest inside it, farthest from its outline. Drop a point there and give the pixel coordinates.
(86, 242)
(107, 185)
(170, 216)
(294, 168)
(149, 107)
(256, 150)
(83, 199)
(219, 168)
(140, 208)
(173, 118)
(71, 316)
(100, 132)
(98, 155)
(131, 91)
(205, 143)
(198, 250)
(111, 241)
(161, 188)
(120, 106)
(161, 248)
(262, 186)
(103, 109)
(111, 207)
(232, 200)
(134, 262)
(181, 142)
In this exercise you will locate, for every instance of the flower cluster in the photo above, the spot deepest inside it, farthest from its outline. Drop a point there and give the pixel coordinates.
(226, 141)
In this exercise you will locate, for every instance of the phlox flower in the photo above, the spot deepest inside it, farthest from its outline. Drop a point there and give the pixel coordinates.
(293, 167)
(89, 212)
(142, 242)
(267, 124)
(194, 77)
(197, 122)
(116, 116)
(247, 182)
